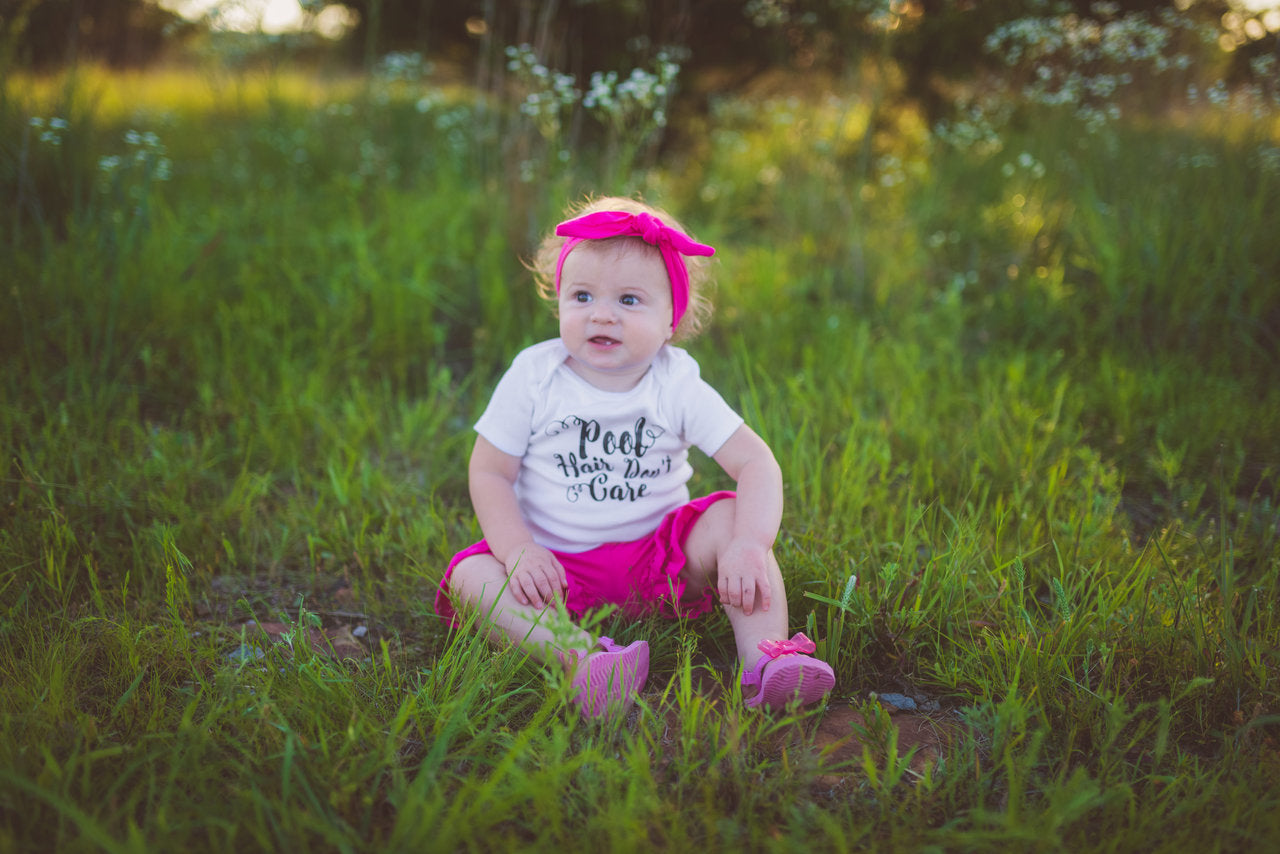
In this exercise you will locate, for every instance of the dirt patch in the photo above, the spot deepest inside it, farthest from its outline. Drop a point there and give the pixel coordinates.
(843, 731)
(335, 642)
(837, 736)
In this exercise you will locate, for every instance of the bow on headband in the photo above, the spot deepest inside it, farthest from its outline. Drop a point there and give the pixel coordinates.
(671, 242)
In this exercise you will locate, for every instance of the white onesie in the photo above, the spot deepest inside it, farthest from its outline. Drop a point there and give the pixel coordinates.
(596, 466)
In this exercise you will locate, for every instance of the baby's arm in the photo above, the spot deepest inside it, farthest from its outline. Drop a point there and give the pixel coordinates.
(536, 576)
(743, 569)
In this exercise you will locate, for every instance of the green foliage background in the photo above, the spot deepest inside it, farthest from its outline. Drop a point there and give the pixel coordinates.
(1024, 392)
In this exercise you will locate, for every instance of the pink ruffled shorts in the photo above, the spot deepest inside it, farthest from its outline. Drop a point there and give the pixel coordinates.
(641, 577)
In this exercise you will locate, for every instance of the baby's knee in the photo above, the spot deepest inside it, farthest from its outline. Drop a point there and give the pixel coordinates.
(468, 579)
(708, 537)
(717, 521)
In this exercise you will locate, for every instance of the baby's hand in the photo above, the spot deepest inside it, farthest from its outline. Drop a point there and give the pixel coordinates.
(536, 577)
(743, 571)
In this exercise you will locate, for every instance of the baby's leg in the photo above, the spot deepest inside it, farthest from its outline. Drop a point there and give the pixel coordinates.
(786, 673)
(480, 583)
(706, 542)
(606, 677)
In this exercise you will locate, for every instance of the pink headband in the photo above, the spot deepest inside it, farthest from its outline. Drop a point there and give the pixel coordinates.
(671, 242)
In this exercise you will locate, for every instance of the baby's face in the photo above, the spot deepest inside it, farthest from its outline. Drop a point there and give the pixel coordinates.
(615, 311)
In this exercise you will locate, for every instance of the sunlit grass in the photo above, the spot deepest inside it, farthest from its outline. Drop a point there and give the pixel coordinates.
(1025, 396)
(182, 90)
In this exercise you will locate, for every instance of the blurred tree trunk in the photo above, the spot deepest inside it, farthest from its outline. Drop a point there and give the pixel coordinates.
(74, 19)
(373, 26)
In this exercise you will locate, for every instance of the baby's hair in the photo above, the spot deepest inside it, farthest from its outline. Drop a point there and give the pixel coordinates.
(696, 315)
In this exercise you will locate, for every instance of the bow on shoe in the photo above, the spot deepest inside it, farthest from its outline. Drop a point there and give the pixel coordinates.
(799, 643)
(671, 242)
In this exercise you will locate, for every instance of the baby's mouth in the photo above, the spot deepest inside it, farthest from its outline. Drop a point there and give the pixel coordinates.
(603, 341)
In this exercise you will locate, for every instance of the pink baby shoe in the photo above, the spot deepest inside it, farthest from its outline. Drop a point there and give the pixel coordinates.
(606, 680)
(787, 672)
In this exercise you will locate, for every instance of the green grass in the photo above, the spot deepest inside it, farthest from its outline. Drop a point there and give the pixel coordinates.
(1028, 400)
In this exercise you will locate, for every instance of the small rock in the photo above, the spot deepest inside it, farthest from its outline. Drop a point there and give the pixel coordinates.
(897, 702)
(245, 652)
(360, 631)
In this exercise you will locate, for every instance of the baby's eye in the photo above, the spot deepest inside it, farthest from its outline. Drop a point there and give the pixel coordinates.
(581, 296)
(630, 299)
